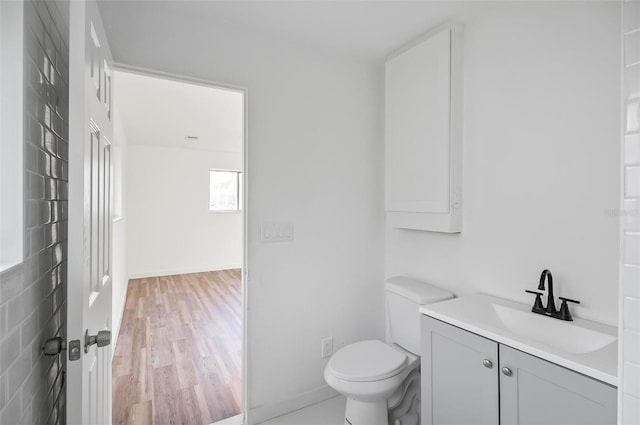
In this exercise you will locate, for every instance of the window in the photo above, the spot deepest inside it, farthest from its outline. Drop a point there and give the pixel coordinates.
(11, 134)
(224, 190)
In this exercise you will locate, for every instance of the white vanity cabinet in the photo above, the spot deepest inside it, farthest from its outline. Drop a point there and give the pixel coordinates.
(535, 391)
(456, 387)
(469, 379)
(423, 133)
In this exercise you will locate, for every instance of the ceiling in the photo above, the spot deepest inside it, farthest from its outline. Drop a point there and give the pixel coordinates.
(359, 29)
(214, 115)
(367, 30)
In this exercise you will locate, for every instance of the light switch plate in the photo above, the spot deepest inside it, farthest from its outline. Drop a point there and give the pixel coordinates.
(276, 231)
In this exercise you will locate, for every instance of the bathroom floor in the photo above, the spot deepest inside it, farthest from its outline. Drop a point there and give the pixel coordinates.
(329, 412)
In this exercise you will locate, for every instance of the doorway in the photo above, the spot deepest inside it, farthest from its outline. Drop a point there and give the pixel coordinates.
(180, 206)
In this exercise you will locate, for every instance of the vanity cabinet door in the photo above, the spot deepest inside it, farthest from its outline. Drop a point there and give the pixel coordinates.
(459, 376)
(534, 391)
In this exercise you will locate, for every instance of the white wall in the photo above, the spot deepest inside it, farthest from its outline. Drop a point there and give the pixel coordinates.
(315, 159)
(170, 229)
(541, 160)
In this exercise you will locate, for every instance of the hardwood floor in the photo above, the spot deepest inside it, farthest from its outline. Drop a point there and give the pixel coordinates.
(178, 358)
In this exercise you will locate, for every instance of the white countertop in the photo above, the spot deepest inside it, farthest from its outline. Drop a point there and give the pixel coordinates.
(595, 356)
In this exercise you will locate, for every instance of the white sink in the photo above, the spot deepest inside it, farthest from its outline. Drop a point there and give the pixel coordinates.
(584, 346)
(566, 336)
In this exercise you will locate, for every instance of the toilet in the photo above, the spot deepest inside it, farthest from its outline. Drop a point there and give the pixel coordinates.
(381, 381)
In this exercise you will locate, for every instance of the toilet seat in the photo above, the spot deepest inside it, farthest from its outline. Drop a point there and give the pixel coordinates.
(365, 361)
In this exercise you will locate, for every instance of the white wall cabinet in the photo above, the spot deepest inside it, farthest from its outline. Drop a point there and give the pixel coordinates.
(469, 379)
(423, 134)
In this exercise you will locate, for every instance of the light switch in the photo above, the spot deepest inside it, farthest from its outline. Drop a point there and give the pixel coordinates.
(276, 231)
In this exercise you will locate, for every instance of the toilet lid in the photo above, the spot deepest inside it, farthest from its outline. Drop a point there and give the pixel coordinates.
(370, 360)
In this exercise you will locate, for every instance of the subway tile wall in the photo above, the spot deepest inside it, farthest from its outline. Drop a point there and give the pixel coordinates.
(32, 294)
(630, 287)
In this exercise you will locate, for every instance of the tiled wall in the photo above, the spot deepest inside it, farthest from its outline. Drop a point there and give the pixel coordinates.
(32, 294)
(630, 289)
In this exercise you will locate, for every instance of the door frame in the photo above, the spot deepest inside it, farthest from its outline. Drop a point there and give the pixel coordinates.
(245, 197)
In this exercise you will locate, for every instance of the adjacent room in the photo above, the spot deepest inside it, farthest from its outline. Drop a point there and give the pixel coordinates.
(179, 351)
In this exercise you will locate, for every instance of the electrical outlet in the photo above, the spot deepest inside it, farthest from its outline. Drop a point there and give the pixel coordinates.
(327, 347)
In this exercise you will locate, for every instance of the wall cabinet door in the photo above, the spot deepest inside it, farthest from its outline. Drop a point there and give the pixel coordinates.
(540, 392)
(423, 133)
(459, 376)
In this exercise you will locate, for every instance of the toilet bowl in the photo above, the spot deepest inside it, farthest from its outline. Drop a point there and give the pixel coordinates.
(369, 373)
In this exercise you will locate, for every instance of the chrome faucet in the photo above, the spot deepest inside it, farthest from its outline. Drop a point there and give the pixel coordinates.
(550, 309)
(551, 302)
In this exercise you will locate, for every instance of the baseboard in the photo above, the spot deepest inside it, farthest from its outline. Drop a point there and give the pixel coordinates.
(186, 270)
(233, 420)
(115, 332)
(263, 413)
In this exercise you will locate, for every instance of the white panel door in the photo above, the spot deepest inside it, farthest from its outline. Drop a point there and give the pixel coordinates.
(90, 218)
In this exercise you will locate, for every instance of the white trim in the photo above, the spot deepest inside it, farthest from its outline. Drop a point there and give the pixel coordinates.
(228, 170)
(116, 329)
(190, 148)
(233, 420)
(185, 270)
(224, 211)
(266, 412)
(245, 262)
(178, 78)
(621, 161)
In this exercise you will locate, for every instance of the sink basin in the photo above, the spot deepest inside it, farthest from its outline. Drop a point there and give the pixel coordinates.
(587, 347)
(566, 336)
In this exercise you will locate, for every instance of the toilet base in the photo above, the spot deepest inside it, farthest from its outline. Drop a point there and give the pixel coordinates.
(366, 412)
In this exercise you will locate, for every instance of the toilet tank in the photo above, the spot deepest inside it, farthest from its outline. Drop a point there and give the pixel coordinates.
(404, 296)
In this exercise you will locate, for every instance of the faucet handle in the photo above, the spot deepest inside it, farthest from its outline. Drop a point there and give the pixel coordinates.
(537, 305)
(569, 300)
(564, 312)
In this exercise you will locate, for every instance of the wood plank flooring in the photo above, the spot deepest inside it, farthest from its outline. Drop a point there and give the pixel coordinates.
(178, 358)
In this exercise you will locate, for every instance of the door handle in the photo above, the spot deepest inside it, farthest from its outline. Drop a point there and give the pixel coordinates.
(103, 338)
(54, 346)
